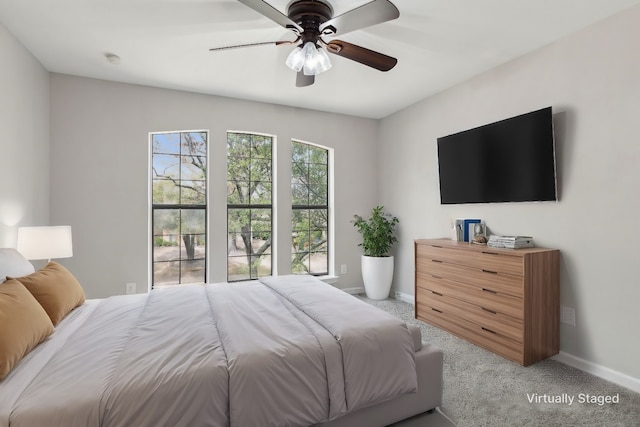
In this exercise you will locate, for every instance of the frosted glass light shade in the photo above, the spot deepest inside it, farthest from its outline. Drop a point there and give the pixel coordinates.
(45, 242)
(309, 59)
(317, 62)
(295, 60)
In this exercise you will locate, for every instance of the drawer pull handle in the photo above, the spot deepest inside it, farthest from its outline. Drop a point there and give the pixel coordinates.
(489, 290)
(436, 260)
(487, 310)
(436, 310)
(489, 271)
(436, 246)
(490, 253)
(436, 293)
(436, 277)
(488, 330)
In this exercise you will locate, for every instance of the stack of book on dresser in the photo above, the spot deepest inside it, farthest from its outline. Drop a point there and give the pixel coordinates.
(510, 242)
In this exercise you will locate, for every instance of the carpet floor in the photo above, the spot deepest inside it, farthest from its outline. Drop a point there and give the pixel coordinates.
(483, 389)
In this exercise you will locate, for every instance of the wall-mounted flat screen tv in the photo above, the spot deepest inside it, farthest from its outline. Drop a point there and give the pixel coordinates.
(512, 160)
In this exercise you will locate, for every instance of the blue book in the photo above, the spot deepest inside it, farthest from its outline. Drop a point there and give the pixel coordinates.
(465, 227)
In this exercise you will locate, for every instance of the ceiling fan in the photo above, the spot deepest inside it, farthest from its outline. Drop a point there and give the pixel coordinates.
(310, 21)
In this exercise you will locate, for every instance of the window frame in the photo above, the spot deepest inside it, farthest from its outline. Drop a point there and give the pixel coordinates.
(254, 206)
(328, 208)
(154, 207)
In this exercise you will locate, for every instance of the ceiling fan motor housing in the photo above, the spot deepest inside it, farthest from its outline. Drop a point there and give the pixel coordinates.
(310, 14)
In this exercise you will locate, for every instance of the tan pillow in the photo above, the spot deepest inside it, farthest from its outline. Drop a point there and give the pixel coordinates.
(56, 290)
(23, 324)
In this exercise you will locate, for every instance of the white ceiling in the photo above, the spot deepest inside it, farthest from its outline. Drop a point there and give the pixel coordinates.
(165, 43)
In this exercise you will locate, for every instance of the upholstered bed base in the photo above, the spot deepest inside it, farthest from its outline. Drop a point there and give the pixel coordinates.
(428, 397)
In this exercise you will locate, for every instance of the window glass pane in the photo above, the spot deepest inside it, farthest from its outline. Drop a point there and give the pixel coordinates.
(166, 166)
(318, 263)
(318, 155)
(318, 174)
(166, 143)
(299, 171)
(166, 221)
(261, 193)
(299, 152)
(238, 168)
(260, 266)
(238, 220)
(166, 273)
(261, 147)
(166, 247)
(193, 192)
(194, 144)
(237, 268)
(193, 221)
(318, 195)
(165, 192)
(237, 192)
(238, 145)
(193, 168)
(299, 194)
(193, 271)
(260, 170)
(300, 220)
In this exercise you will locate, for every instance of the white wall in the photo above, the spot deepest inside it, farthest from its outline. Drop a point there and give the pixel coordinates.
(99, 172)
(592, 81)
(24, 135)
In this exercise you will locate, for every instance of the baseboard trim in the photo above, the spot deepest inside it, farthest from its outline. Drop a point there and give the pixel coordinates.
(599, 371)
(408, 298)
(354, 291)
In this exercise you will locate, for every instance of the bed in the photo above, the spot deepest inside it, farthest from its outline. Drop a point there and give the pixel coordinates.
(284, 351)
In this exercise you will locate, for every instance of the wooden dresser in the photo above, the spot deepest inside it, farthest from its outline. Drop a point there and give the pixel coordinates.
(505, 300)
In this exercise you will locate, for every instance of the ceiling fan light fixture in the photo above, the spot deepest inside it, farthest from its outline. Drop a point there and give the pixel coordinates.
(317, 63)
(309, 59)
(296, 59)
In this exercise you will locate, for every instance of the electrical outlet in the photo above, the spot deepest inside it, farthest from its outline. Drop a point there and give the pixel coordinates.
(130, 288)
(343, 269)
(568, 315)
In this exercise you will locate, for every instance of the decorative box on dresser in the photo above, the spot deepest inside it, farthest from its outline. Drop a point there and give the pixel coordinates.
(505, 300)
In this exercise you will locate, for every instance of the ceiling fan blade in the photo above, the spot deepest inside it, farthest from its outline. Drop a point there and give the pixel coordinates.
(303, 80)
(372, 13)
(362, 55)
(236, 46)
(272, 13)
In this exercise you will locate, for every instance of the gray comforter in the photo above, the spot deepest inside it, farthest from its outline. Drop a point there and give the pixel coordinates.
(292, 351)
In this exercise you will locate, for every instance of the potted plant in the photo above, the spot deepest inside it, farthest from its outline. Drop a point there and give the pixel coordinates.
(378, 235)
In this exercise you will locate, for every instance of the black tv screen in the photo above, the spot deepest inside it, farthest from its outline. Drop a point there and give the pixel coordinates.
(512, 160)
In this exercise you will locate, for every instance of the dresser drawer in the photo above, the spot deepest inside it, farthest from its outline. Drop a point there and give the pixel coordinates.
(486, 319)
(483, 279)
(483, 258)
(496, 301)
(473, 333)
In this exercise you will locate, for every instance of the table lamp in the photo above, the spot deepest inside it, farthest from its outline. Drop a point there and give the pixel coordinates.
(45, 242)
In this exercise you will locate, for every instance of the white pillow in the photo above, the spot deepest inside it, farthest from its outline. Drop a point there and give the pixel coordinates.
(13, 264)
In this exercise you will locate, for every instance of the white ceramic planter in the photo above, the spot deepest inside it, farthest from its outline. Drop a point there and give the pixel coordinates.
(377, 274)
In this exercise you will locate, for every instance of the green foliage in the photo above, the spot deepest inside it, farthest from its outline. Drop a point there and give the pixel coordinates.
(377, 232)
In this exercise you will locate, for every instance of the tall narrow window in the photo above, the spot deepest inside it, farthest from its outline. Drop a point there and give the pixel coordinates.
(179, 207)
(249, 206)
(310, 205)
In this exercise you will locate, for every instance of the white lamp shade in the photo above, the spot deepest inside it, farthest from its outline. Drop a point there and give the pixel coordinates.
(45, 242)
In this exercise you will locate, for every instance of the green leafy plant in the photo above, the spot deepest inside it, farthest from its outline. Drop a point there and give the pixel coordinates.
(377, 232)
